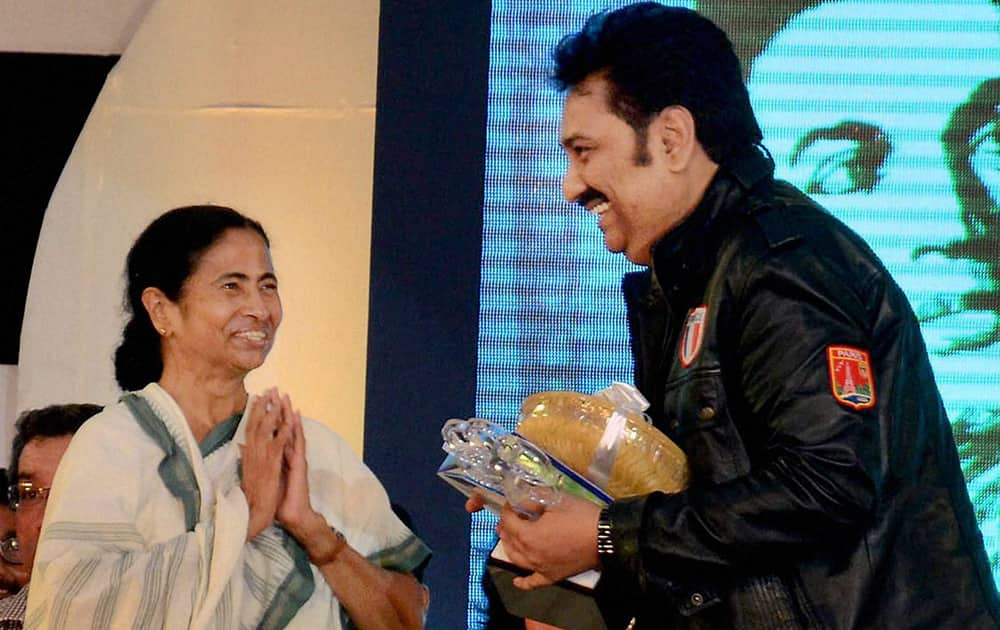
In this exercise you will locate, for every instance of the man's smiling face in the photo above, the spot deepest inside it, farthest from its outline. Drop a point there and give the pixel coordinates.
(618, 174)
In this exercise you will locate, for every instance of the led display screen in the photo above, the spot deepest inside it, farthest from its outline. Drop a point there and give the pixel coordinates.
(884, 112)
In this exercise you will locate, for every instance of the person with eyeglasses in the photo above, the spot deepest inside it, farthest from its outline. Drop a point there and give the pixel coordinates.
(192, 503)
(12, 575)
(40, 439)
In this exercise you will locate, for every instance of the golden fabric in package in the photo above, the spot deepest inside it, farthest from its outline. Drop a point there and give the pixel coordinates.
(607, 441)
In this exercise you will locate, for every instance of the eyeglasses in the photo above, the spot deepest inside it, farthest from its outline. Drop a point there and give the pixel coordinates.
(26, 494)
(10, 550)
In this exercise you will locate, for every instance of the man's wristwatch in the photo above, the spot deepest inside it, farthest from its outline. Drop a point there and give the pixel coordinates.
(605, 546)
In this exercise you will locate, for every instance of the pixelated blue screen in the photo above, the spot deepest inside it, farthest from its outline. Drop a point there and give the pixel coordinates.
(885, 112)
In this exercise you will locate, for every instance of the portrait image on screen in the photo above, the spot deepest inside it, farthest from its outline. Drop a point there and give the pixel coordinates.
(885, 112)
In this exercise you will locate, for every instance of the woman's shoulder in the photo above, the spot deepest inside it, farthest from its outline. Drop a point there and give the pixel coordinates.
(321, 436)
(114, 417)
(114, 427)
(329, 453)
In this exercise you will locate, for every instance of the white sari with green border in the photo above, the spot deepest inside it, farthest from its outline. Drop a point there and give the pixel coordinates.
(145, 528)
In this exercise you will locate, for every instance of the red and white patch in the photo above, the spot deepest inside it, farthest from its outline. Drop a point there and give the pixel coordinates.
(694, 332)
(851, 377)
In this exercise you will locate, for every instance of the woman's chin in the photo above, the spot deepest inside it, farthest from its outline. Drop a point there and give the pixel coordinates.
(248, 361)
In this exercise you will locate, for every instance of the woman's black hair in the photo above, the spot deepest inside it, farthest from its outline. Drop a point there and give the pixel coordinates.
(164, 255)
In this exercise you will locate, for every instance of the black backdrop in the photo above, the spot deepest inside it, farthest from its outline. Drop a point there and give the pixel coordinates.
(45, 101)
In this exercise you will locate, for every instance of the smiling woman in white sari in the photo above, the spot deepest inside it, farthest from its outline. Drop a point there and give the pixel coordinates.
(192, 503)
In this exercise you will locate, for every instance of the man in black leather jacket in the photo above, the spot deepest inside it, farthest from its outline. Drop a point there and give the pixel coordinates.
(776, 351)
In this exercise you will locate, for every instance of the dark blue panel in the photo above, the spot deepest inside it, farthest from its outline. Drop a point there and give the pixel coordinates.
(426, 234)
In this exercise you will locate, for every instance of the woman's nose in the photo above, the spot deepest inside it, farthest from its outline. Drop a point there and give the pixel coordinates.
(255, 305)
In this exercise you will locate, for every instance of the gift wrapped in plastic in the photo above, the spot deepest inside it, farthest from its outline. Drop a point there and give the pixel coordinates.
(502, 467)
(486, 460)
(606, 438)
(598, 447)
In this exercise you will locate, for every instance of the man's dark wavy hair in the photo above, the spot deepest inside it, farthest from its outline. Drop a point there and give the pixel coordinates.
(656, 57)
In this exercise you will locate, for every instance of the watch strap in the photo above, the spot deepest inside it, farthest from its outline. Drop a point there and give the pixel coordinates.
(605, 545)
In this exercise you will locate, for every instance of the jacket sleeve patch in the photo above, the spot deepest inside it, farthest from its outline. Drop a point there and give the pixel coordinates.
(851, 377)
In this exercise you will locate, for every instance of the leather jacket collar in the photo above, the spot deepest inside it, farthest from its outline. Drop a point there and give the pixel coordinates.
(684, 254)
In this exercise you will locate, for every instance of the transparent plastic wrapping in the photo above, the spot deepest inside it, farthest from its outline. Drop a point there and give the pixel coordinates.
(499, 466)
(606, 438)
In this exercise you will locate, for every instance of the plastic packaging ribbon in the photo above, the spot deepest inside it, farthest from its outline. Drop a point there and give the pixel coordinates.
(627, 399)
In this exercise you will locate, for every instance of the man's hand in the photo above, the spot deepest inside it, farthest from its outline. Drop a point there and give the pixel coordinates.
(560, 543)
(474, 504)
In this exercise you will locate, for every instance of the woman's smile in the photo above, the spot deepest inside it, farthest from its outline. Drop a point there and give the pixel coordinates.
(230, 309)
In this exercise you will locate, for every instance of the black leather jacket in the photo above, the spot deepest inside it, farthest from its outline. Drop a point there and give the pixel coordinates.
(803, 511)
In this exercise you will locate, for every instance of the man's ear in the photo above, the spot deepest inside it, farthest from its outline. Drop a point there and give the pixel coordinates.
(676, 137)
(159, 308)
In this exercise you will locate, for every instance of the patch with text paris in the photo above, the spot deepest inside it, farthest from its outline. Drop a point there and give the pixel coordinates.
(851, 376)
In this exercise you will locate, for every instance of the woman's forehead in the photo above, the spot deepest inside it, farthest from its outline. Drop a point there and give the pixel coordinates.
(240, 249)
